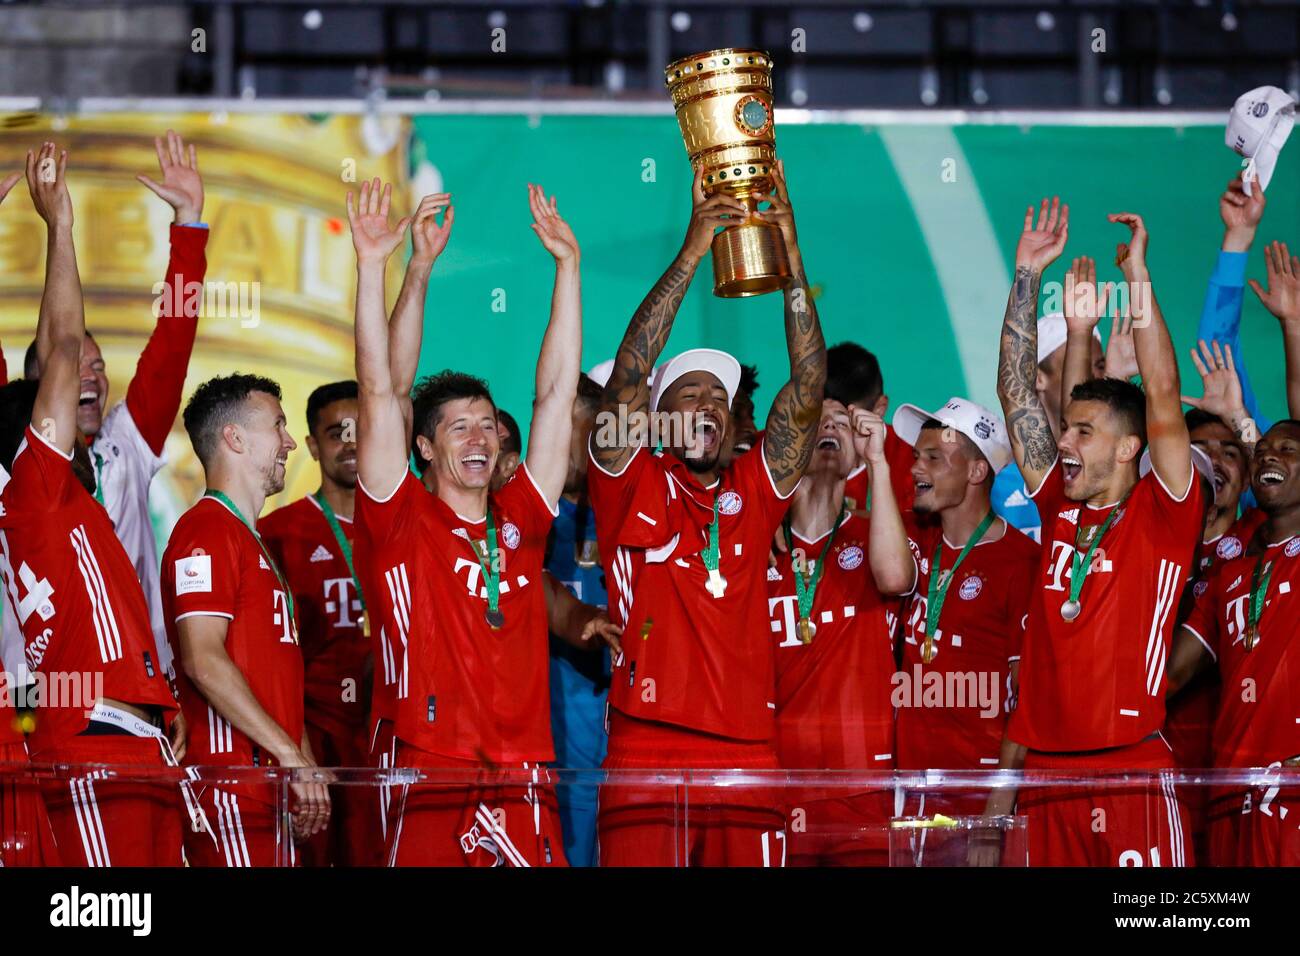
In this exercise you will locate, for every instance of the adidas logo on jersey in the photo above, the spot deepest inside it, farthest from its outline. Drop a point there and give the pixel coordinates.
(1071, 515)
(321, 554)
(1015, 500)
(773, 574)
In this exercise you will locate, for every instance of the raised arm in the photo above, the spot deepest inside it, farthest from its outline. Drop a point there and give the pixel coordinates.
(791, 429)
(560, 362)
(1221, 312)
(1167, 438)
(647, 334)
(406, 324)
(1282, 298)
(892, 565)
(61, 327)
(154, 395)
(382, 448)
(1221, 388)
(1032, 441)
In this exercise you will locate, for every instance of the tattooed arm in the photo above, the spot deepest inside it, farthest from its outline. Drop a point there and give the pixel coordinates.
(1031, 435)
(647, 333)
(791, 428)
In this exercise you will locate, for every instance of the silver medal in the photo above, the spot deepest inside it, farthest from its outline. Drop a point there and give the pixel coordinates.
(1070, 610)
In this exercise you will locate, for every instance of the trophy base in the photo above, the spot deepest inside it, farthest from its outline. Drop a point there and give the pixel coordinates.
(749, 259)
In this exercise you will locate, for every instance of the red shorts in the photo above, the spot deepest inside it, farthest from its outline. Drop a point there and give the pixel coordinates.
(25, 835)
(687, 826)
(1268, 827)
(353, 837)
(458, 825)
(383, 756)
(1140, 825)
(244, 832)
(100, 819)
(850, 830)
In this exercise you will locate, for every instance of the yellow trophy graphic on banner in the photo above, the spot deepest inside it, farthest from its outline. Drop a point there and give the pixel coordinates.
(723, 100)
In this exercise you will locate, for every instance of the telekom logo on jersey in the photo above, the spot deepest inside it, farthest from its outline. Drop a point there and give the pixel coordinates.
(339, 600)
(1061, 571)
(474, 578)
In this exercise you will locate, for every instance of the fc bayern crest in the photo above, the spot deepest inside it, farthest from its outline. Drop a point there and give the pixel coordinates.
(970, 588)
(1199, 588)
(510, 535)
(851, 557)
(1229, 548)
(729, 503)
(1292, 548)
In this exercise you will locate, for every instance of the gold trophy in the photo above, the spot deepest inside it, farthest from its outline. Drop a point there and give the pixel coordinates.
(723, 100)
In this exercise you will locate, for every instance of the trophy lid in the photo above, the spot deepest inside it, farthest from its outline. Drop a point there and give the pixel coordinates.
(716, 61)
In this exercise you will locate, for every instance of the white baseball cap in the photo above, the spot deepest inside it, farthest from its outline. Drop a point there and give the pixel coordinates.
(720, 364)
(974, 421)
(1258, 125)
(1052, 334)
(1200, 461)
(601, 372)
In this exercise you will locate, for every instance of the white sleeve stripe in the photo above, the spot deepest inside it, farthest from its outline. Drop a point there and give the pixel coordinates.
(386, 498)
(181, 617)
(1179, 499)
(761, 449)
(552, 506)
(604, 471)
(65, 455)
(1206, 644)
(1050, 468)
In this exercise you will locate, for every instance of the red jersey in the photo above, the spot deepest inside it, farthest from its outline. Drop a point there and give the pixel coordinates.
(900, 456)
(466, 690)
(85, 625)
(213, 566)
(331, 618)
(833, 707)
(956, 720)
(690, 658)
(1259, 713)
(1099, 680)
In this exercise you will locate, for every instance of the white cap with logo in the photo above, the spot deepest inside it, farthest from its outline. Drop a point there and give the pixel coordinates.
(1258, 126)
(974, 421)
(720, 364)
(1052, 334)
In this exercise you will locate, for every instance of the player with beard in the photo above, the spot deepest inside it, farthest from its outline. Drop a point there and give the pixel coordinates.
(685, 544)
(1116, 552)
(73, 593)
(455, 571)
(1243, 623)
(126, 442)
(965, 619)
(834, 654)
(311, 541)
(231, 615)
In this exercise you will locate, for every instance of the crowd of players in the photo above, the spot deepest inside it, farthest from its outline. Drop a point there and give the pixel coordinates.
(828, 592)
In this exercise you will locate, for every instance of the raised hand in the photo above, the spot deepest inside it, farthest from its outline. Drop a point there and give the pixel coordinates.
(1040, 245)
(1219, 382)
(1121, 353)
(1131, 255)
(779, 210)
(707, 214)
(428, 239)
(8, 183)
(47, 182)
(868, 434)
(1282, 295)
(181, 186)
(1084, 303)
(1241, 215)
(556, 236)
(372, 236)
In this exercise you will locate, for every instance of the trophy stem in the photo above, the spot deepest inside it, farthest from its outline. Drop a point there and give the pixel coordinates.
(749, 258)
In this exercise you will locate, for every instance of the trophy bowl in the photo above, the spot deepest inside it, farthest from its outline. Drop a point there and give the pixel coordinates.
(723, 100)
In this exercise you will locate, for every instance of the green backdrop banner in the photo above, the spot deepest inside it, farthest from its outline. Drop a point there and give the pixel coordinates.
(908, 234)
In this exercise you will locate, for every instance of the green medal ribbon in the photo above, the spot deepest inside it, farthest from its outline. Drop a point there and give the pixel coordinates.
(938, 593)
(1259, 581)
(344, 544)
(270, 561)
(99, 477)
(491, 571)
(711, 555)
(805, 584)
(1082, 562)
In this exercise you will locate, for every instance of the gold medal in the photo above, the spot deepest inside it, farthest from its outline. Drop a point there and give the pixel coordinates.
(806, 630)
(928, 650)
(1252, 637)
(365, 624)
